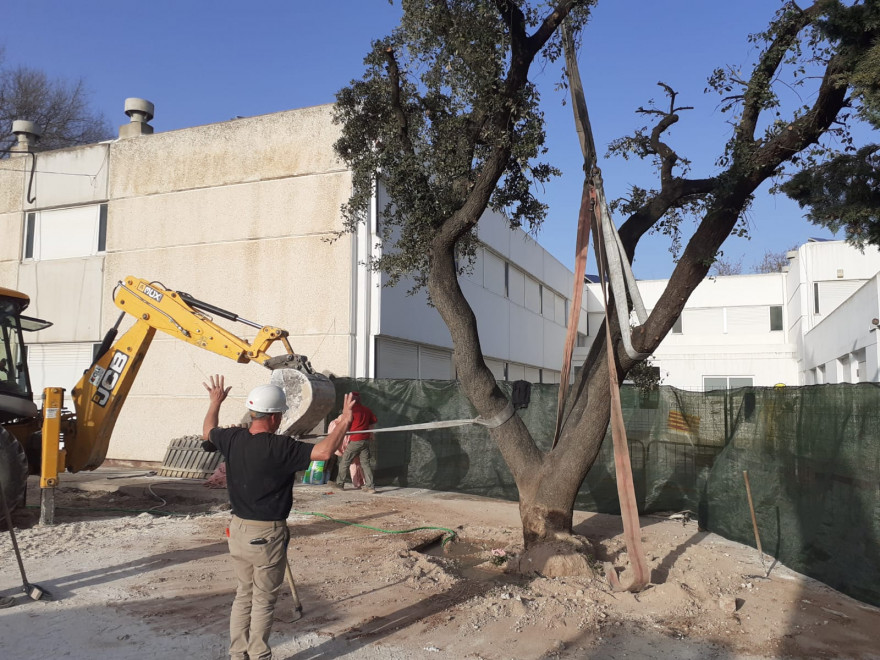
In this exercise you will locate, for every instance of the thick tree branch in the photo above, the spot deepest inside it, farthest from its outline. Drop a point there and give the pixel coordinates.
(673, 194)
(396, 105)
(787, 29)
(731, 192)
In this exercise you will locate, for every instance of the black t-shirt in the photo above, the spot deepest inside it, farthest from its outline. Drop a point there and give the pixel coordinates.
(260, 469)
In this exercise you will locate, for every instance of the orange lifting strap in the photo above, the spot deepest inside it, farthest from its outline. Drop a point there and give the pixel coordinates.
(592, 204)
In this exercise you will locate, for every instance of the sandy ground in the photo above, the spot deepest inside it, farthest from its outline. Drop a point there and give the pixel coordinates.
(139, 585)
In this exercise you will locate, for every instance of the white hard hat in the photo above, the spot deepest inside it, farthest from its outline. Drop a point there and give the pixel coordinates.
(267, 399)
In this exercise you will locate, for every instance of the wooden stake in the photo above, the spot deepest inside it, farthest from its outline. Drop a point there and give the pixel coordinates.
(752, 510)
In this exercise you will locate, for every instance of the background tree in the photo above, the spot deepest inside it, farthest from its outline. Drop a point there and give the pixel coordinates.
(726, 266)
(59, 108)
(773, 262)
(843, 193)
(447, 114)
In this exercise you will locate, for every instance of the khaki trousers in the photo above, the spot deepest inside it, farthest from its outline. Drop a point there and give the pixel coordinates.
(360, 448)
(259, 570)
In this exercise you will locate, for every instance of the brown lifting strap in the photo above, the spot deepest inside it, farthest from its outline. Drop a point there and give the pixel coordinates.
(591, 209)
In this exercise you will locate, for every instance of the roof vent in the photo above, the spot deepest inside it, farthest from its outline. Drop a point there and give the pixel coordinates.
(27, 133)
(141, 112)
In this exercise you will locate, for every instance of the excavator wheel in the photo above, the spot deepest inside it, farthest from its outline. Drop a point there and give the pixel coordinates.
(13, 470)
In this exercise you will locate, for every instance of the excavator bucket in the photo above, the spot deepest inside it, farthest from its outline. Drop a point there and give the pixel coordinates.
(310, 398)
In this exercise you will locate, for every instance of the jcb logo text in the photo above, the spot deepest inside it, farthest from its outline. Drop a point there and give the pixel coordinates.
(110, 378)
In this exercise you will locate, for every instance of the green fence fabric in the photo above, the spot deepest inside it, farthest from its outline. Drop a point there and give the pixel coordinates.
(812, 454)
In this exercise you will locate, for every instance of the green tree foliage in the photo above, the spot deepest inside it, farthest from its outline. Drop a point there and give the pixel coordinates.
(443, 109)
(60, 109)
(843, 193)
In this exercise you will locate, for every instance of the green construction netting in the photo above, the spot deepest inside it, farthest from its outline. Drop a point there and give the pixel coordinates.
(812, 456)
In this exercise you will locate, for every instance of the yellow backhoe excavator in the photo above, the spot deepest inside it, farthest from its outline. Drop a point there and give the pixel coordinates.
(53, 439)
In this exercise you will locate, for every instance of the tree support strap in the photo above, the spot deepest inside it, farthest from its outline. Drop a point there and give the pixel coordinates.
(629, 511)
(493, 422)
(621, 278)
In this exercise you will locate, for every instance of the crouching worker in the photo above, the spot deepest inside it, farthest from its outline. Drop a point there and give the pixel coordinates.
(260, 468)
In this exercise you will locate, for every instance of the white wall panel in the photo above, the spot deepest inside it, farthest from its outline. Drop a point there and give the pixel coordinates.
(493, 273)
(435, 364)
(702, 321)
(559, 309)
(496, 367)
(66, 233)
(525, 330)
(396, 359)
(516, 290)
(832, 294)
(548, 303)
(748, 320)
(58, 365)
(70, 294)
(532, 295)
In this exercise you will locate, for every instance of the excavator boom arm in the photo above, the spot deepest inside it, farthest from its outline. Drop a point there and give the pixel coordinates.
(178, 314)
(101, 392)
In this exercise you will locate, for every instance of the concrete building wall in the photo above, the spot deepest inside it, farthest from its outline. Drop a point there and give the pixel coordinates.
(846, 357)
(236, 214)
(520, 295)
(725, 330)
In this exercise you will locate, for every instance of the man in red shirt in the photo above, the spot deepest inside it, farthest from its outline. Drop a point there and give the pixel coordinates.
(358, 445)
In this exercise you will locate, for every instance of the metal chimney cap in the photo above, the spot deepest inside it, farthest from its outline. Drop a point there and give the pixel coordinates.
(24, 126)
(139, 109)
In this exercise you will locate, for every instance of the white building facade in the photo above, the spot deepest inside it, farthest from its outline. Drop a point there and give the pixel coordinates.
(811, 324)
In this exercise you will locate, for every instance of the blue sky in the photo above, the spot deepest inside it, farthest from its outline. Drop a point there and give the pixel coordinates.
(205, 62)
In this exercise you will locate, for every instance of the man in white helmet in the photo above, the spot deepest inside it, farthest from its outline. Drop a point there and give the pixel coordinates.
(260, 469)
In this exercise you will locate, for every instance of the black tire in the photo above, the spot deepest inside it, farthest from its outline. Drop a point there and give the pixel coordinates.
(13, 470)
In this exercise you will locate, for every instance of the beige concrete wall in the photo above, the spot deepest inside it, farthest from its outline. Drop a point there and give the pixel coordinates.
(11, 218)
(13, 173)
(11, 227)
(296, 206)
(236, 214)
(281, 145)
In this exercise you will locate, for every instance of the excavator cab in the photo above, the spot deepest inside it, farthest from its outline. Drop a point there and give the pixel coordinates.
(16, 395)
(18, 412)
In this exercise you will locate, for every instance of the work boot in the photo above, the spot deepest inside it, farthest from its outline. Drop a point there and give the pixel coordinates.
(370, 491)
(337, 486)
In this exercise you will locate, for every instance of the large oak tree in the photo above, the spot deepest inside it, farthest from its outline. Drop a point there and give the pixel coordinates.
(447, 117)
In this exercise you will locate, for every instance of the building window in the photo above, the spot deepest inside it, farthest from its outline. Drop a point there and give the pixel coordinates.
(816, 298)
(66, 233)
(775, 318)
(676, 327)
(711, 383)
(581, 341)
(506, 280)
(540, 299)
(540, 375)
(102, 228)
(29, 235)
